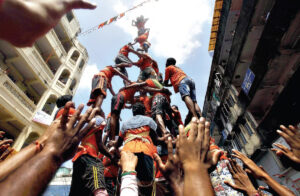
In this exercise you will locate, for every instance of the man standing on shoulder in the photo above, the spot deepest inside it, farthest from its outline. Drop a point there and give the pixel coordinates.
(183, 84)
(139, 137)
(88, 169)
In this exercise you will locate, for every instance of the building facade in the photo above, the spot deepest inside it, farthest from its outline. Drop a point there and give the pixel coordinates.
(33, 78)
(254, 80)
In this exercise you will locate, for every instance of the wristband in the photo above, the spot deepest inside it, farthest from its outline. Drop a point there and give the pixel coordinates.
(128, 173)
(38, 146)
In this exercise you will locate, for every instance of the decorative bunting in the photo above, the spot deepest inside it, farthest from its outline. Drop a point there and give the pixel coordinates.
(113, 19)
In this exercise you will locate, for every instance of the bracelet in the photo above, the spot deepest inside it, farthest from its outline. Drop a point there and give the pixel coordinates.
(128, 173)
(38, 146)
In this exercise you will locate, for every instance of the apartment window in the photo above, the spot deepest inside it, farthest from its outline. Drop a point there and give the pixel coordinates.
(64, 76)
(75, 56)
(50, 104)
(70, 16)
(81, 64)
(243, 139)
(230, 101)
(238, 143)
(248, 129)
(235, 145)
(73, 84)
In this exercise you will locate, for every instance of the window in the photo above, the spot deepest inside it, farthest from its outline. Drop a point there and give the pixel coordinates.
(81, 64)
(238, 143)
(243, 139)
(248, 129)
(235, 145)
(230, 101)
(50, 104)
(73, 84)
(64, 77)
(75, 56)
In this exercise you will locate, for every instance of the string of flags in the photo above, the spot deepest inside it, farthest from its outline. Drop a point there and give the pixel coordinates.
(113, 19)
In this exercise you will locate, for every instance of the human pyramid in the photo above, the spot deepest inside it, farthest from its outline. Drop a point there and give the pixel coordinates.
(145, 133)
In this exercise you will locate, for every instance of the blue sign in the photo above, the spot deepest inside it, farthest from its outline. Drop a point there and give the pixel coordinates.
(248, 80)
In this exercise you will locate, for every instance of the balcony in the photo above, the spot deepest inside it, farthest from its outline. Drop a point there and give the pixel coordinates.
(33, 58)
(60, 85)
(56, 44)
(70, 24)
(16, 98)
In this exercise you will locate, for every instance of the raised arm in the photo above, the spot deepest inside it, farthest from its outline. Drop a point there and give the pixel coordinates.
(136, 85)
(26, 21)
(122, 75)
(167, 77)
(193, 156)
(100, 143)
(26, 153)
(9, 165)
(140, 55)
(32, 177)
(259, 173)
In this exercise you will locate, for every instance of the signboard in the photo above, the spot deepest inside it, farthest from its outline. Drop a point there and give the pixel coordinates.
(248, 80)
(42, 118)
(215, 25)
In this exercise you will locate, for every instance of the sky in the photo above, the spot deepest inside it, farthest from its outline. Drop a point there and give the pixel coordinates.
(179, 29)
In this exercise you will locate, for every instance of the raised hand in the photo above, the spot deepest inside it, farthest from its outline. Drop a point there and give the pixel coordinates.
(171, 169)
(193, 157)
(213, 159)
(252, 168)
(5, 144)
(26, 21)
(1, 134)
(193, 149)
(292, 137)
(260, 173)
(242, 182)
(67, 132)
(7, 141)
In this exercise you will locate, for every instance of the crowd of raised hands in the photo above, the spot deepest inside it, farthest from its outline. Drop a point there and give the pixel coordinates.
(187, 168)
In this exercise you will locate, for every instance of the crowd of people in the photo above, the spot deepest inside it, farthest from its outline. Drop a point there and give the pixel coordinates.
(151, 153)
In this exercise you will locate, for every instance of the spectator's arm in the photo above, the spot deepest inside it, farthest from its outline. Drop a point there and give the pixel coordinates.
(259, 173)
(129, 181)
(26, 21)
(242, 182)
(193, 156)
(291, 156)
(32, 177)
(171, 169)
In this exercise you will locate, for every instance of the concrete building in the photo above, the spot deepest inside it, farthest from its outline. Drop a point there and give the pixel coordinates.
(254, 79)
(31, 79)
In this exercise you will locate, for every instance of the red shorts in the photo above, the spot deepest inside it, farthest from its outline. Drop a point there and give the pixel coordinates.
(99, 87)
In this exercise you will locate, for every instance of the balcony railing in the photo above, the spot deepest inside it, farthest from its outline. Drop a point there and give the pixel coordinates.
(16, 96)
(60, 85)
(56, 43)
(37, 63)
